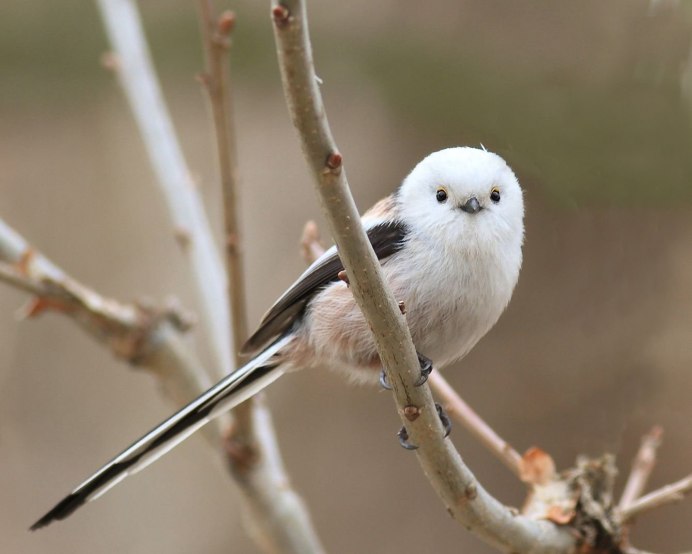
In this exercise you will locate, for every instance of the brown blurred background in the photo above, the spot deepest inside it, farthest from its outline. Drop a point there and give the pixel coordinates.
(588, 102)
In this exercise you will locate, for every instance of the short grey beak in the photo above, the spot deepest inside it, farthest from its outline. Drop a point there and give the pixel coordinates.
(472, 206)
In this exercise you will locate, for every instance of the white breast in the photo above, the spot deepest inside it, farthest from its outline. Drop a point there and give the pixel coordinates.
(452, 297)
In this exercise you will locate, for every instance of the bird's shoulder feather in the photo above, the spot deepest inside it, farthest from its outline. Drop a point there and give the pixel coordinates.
(386, 235)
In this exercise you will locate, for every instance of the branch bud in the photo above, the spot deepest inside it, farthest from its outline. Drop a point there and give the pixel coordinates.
(280, 15)
(226, 23)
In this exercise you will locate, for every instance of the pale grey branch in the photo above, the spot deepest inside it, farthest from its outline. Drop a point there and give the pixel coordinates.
(464, 497)
(275, 515)
(642, 466)
(136, 74)
(144, 336)
(665, 495)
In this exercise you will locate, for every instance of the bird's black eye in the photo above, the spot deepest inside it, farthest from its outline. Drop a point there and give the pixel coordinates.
(441, 195)
(495, 195)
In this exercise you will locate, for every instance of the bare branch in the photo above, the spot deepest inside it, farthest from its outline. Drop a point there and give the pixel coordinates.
(15, 278)
(642, 466)
(275, 515)
(144, 336)
(216, 36)
(217, 40)
(458, 409)
(138, 79)
(461, 493)
(665, 495)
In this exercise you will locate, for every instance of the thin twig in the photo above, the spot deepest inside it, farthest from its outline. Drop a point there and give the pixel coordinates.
(458, 409)
(275, 515)
(464, 497)
(665, 495)
(191, 226)
(216, 37)
(642, 466)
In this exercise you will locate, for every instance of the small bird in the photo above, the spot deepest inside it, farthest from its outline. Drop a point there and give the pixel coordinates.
(449, 240)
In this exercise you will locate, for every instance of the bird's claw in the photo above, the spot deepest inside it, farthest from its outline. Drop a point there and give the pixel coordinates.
(444, 419)
(426, 367)
(403, 439)
(384, 383)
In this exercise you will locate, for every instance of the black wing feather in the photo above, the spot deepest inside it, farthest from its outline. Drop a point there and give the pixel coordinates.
(386, 238)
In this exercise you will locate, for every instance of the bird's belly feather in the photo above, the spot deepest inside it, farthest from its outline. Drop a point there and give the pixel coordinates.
(450, 305)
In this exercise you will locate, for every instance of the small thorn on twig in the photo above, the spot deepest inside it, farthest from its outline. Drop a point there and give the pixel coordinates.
(37, 305)
(402, 307)
(110, 61)
(30, 309)
(203, 78)
(182, 237)
(471, 491)
(232, 244)
(25, 260)
(334, 162)
(411, 412)
(242, 457)
(226, 23)
(343, 276)
(180, 318)
(280, 15)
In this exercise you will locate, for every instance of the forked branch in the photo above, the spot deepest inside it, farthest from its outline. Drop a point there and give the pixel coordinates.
(144, 336)
(660, 497)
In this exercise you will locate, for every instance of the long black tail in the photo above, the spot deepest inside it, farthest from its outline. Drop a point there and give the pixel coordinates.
(226, 394)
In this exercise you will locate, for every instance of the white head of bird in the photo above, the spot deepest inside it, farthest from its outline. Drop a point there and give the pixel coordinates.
(469, 196)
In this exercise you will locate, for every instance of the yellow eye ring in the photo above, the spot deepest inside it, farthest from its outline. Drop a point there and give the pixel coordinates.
(441, 195)
(495, 194)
